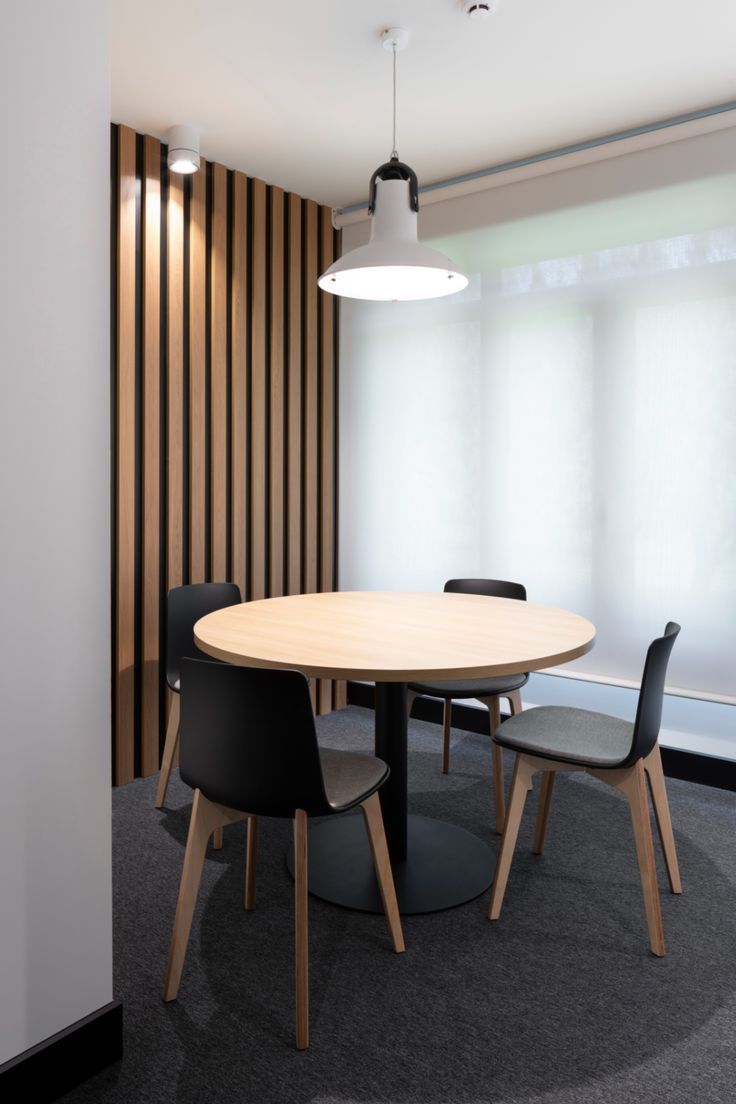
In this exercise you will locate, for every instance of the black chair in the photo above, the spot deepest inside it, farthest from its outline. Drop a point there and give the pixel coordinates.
(184, 607)
(488, 690)
(556, 738)
(249, 749)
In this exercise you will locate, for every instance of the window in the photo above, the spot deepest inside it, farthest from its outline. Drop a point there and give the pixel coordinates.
(568, 421)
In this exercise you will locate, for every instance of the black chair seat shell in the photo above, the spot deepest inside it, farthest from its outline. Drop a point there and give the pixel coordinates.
(249, 749)
(185, 605)
(549, 739)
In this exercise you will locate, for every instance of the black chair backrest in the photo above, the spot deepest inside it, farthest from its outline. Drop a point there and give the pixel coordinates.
(184, 607)
(649, 709)
(247, 739)
(493, 588)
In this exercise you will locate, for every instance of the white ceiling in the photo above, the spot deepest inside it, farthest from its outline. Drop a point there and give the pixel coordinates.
(298, 92)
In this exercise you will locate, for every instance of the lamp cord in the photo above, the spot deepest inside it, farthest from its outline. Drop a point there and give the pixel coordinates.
(394, 151)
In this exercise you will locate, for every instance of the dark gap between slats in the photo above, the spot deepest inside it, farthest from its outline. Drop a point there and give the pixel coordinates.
(186, 357)
(267, 397)
(138, 478)
(248, 390)
(163, 445)
(209, 206)
(229, 379)
(114, 292)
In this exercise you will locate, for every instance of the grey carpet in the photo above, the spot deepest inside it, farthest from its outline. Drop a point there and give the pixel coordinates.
(560, 1001)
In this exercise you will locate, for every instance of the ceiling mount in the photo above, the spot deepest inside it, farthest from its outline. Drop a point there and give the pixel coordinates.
(479, 9)
(394, 39)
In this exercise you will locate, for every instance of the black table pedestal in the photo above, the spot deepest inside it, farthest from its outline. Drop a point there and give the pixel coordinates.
(445, 866)
(435, 865)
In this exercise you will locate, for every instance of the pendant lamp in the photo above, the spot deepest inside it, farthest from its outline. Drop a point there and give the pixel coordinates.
(394, 265)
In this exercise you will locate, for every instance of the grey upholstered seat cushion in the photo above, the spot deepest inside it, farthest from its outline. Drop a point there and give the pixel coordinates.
(350, 776)
(470, 688)
(573, 735)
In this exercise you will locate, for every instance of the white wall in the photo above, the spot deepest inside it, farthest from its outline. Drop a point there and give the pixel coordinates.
(55, 867)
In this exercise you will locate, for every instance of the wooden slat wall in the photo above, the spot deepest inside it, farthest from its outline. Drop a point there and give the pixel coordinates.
(225, 407)
(295, 398)
(151, 472)
(258, 436)
(219, 520)
(125, 457)
(276, 397)
(197, 371)
(239, 381)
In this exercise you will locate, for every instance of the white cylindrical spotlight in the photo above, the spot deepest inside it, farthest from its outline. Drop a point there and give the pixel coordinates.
(183, 156)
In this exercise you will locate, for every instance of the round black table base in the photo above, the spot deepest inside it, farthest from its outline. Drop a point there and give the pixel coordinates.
(445, 866)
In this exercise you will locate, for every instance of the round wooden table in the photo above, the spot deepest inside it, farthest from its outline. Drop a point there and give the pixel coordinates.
(394, 638)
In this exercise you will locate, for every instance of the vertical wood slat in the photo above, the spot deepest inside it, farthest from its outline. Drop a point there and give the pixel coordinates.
(276, 406)
(125, 460)
(258, 437)
(218, 377)
(175, 382)
(327, 428)
(294, 478)
(150, 553)
(279, 380)
(174, 387)
(197, 375)
(239, 400)
(311, 412)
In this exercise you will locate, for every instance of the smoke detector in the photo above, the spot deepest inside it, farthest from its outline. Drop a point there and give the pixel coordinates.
(479, 9)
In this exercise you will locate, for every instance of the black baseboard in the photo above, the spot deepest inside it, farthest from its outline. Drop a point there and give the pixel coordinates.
(720, 773)
(57, 1065)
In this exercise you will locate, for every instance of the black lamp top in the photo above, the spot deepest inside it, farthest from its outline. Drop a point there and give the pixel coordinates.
(394, 170)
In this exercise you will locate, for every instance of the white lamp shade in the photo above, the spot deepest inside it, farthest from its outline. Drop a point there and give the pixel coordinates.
(183, 155)
(394, 265)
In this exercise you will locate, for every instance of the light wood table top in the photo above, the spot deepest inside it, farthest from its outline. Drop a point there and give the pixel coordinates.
(388, 636)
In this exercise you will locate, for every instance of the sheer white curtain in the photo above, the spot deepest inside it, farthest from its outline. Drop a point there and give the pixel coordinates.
(568, 421)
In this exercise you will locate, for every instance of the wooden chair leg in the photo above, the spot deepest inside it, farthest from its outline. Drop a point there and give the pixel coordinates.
(523, 772)
(170, 745)
(382, 863)
(251, 848)
(446, 725)
(493, 706)
(302, 929)
(411, 696)
(655, 774)
(206, 816)
(634, 786)
(514, 700)
(498, 794)
(545, 800)
(515, 707)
